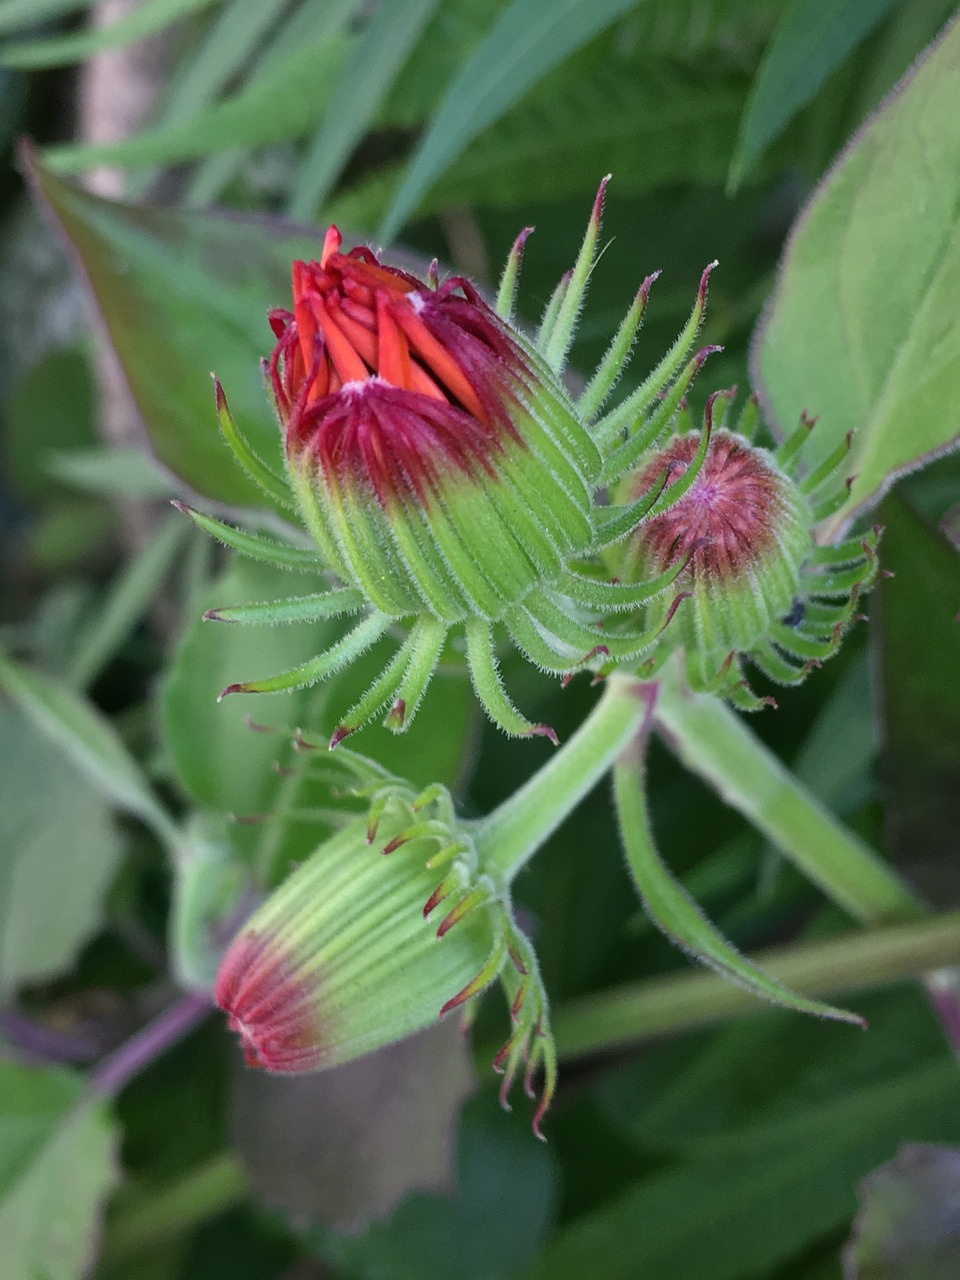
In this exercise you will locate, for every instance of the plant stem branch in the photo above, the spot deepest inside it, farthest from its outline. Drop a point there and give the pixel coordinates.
(825, 968)
(714, 742)
(147, 1044)
(508, 837)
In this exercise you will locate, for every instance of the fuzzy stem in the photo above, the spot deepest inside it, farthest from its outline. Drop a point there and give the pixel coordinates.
(147, 1044)
(508, 837)
(683, 1001)
(715, 743)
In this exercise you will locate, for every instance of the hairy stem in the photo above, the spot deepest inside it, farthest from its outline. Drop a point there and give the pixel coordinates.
(508, 837)
(716, 744)
(147, 1044)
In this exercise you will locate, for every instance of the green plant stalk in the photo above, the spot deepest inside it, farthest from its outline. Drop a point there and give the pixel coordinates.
(715, 743)
(202, 1193)
(509, 836)
(823, 968)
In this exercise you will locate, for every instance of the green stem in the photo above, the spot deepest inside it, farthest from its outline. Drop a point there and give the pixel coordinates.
(824, 968)
(508, 837)
(715, 743)
(202, 1193)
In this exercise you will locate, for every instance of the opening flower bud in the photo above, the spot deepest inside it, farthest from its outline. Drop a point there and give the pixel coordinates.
(423, 436)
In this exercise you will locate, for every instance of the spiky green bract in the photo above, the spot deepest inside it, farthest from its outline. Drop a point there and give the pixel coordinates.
(450, 482)
(740, 540)
(388, 925)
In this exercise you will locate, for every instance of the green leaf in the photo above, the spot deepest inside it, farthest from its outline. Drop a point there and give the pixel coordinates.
(54, 831)
(909, 1222)
(683, 127)
(57, 1166)
(125, 602)
(670, 906)
(812, 40)
(147, 18)
(24, 13)
(914, 623)
(711, 1219)
(390, 1118)
(227, 767)
(526, 41)
(491, 1226)
(861, 328)
(87, 738)
(181, 294)
(366, 79)
(317, 27)
(284, 102)
(122, 472)
(52, 408)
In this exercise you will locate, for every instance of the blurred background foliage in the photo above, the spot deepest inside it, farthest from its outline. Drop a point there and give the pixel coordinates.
(444, 125)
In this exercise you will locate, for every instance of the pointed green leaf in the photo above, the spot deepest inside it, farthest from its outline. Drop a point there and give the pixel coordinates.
(861, 330)
(23, 13)
(125, 601)
(366, 79)
(183, 294)
(812, 40)
(284, 102)
(57, 1166)
(86, 737)
(524, 43)
(147, 18)
(670, 906)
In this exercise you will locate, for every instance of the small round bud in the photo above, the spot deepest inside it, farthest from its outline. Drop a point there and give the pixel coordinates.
(741, 531)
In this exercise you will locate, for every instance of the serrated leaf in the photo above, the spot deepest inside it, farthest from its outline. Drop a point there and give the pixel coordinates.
(146, 19)
(908, 1227)
(86, 737)
(669, 905)
(812, 40)
(341, 1147)
(54, 831)
(57, 1165)
(366, 79)
(861, 328)
(525, 42)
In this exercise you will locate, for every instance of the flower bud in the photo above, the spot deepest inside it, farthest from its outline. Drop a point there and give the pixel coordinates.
(422, 437)
(362, 946)
(740, 540)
